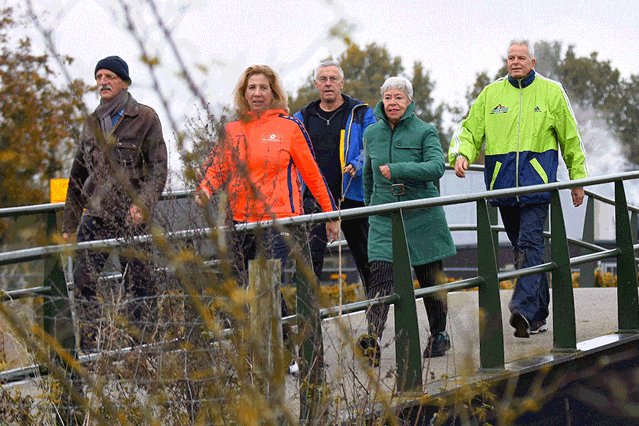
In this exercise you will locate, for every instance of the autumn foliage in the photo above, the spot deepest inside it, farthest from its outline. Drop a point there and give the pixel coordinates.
(38, 119)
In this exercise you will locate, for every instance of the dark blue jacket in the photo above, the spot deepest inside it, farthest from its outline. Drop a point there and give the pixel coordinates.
(352, 147)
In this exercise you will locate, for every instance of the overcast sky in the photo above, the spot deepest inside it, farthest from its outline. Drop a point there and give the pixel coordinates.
(454, 39)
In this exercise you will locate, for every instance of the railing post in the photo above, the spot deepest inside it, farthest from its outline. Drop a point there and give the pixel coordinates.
(266, 326)
(408, 353)
(491, 329)
(627, 293)
(312, 344)
(563, 299)
(587, 270)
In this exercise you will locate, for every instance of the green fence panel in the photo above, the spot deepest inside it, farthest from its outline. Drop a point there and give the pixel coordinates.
(407, 346)
(491, 329)
(563, 306)
(627, 294)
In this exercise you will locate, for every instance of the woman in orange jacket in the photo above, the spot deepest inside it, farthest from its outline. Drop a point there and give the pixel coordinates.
(257, 164)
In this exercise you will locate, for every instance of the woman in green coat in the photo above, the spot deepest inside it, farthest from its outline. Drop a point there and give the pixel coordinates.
(403, 160)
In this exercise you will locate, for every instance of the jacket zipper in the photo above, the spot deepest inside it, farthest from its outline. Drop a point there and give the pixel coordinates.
(390, 154)
(521, 95)
(347, 140)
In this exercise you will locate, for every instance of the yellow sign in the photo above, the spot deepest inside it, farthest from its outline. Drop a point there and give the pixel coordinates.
(59, 190)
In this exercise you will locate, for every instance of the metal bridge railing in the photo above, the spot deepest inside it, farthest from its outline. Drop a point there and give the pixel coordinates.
(408, 355)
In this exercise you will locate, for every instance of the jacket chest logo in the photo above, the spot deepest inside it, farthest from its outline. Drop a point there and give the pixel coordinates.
(271, 137)
(499, 109)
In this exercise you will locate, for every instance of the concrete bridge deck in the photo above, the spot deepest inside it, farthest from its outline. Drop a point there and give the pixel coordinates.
(348, 380)
(356, 389)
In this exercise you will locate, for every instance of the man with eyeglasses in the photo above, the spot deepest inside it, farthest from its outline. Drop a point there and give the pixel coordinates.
(117, 176)
(335, 124)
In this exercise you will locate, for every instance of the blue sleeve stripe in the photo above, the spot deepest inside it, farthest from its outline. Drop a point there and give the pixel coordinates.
(303, 129)
(310, 147)
(289, 171)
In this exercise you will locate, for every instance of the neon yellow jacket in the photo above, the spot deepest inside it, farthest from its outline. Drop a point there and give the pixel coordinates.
(523, 123)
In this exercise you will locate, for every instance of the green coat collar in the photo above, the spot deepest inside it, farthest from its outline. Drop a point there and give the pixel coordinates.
(381, 114)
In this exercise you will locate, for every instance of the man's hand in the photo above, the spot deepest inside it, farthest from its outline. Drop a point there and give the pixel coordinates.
(577, 196)
(350, 169)
(136, 215)
(385, 170)
(461, 165)
(332, 231)
(67, 236)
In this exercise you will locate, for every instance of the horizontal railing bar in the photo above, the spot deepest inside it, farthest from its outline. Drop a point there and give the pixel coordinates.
(53, 207)
(24, 293)
(531, 270)
(24, 373)
(42, 252)
(584, 244)
(363, 305)
(452, 286)
(591, 257)
(455, 199)
(608, 200)
(480, 168)
(463, 227)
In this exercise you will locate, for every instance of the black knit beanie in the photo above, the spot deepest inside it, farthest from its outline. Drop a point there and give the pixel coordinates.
(115, 64)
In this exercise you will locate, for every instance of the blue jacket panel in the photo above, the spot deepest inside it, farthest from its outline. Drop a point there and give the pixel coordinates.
(535, 168)
(523, 124)
(360, 117)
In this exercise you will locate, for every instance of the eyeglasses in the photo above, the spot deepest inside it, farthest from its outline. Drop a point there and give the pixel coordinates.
(108, 77)
(333, 78)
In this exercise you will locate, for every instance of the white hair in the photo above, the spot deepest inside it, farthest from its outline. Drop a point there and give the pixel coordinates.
(329, 63)
(400, 83)
(523, 42)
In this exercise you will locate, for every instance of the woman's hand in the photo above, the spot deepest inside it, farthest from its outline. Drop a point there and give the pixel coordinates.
(385, 170)
(332, 231)
(201, 198)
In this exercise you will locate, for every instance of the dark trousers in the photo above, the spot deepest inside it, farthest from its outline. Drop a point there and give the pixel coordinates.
(89, 263)
(524, 226)
(381, 284)
(356, 234)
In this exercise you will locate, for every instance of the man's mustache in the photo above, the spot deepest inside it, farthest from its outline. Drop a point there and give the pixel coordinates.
(104, 87)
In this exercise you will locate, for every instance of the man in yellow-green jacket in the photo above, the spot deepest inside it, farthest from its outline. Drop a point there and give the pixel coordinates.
(524, 118)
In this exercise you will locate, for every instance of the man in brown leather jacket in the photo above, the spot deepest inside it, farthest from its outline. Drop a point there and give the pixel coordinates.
(118, 174)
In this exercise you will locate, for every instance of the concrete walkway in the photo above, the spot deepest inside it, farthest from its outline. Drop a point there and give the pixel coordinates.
(353, 388)
(348, 380)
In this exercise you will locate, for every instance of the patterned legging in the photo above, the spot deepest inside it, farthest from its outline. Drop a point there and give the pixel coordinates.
(381, 284)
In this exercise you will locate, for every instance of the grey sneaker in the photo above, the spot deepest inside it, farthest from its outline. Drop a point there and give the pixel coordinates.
(437, 345)
(538, 327)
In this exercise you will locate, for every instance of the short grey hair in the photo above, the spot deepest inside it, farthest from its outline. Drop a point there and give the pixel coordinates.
(400, 83)
(329, 63)
(523, 42)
